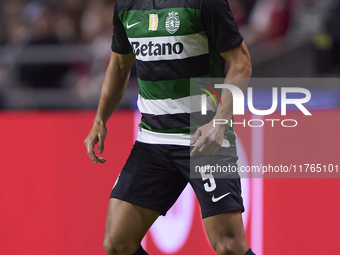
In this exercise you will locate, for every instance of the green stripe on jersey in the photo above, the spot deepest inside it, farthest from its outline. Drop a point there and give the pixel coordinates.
(173, 89)
(168, 89)
(186, 16)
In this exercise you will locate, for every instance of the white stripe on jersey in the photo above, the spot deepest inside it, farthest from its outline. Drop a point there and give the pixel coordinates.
(193, 45)
(173, 106)
(146, 136)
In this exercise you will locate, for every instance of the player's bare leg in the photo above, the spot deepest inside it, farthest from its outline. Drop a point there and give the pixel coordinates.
(226, 233)
(126, 225)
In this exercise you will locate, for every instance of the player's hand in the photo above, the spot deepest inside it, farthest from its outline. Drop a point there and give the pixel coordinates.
(210, 141)
(96, 135)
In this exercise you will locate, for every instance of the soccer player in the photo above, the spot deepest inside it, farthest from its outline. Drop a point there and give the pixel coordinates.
(171, 41)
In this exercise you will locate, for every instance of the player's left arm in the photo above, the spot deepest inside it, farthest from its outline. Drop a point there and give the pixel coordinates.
(239, 72)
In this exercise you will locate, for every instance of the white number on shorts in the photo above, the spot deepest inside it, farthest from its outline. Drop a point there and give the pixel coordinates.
(211, 185)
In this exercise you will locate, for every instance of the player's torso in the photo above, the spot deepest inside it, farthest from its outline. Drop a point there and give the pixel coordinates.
(166, 34)
(171, 47)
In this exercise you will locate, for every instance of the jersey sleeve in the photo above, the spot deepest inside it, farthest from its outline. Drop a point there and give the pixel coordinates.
(120, 43)
(219, 24)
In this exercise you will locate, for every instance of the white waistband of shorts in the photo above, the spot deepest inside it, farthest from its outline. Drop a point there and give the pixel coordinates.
(146, 136)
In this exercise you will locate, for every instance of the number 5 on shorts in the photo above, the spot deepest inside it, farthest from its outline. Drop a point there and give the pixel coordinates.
(206, 175)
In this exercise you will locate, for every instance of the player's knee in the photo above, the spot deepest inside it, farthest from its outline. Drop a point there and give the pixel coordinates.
(110, 247)
(225, 249)
(227, 246)
(113, 247)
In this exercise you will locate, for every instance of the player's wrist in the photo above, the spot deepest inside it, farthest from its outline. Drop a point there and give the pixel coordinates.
(222, 119)
(98, 122)
(219, 125)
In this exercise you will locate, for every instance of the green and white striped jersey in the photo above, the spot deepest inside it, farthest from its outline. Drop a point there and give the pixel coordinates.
(173, 41)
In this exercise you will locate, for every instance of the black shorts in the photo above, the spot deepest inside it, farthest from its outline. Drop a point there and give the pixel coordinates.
(155, 175)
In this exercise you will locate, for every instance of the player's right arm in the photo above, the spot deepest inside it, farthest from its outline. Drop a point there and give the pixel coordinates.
(113, 88)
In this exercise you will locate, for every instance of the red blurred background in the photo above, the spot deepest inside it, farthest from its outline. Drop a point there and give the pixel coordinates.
(53, 199)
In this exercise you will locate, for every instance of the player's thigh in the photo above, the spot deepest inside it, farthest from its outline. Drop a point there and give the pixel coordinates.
(217, 191)
(226, 231)
(149, 179)
(126, 223)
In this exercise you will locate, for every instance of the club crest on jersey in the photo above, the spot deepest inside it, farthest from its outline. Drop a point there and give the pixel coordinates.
(172, 22)
(153, 22)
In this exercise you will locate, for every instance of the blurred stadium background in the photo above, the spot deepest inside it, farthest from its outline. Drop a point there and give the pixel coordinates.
(53, 56)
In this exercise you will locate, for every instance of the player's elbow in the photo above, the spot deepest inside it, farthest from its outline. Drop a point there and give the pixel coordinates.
(242, 67)
(248, 69)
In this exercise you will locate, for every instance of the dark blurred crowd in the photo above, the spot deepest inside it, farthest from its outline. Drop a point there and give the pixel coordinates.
(49, 21)
(26, 23)
(265, 20)
(83, 21)
(33, 23)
